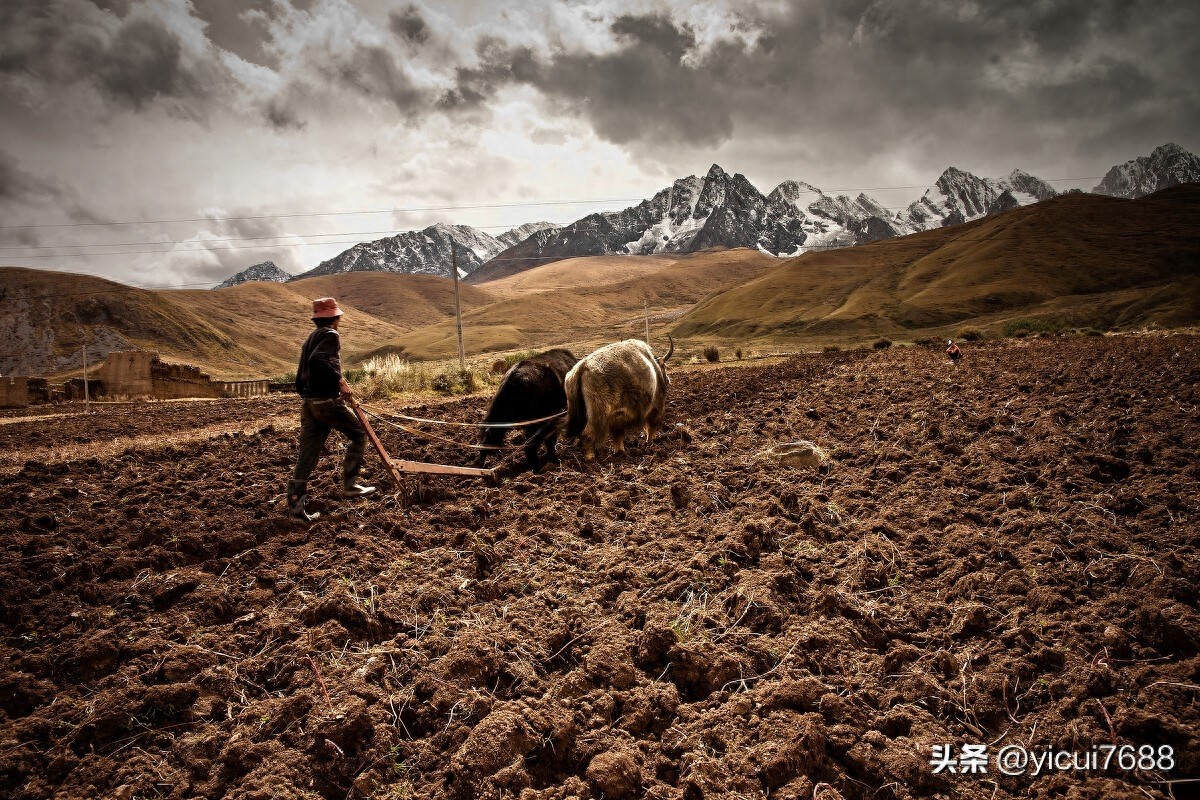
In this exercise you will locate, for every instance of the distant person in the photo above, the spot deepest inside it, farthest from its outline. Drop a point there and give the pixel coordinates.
(319, 381)
(952, 351)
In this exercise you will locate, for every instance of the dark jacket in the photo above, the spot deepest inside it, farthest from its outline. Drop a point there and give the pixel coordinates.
(319, 372)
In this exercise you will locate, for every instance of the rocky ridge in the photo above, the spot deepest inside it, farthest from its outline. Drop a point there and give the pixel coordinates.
(721, 209)
(266, 271)
(1168, 165)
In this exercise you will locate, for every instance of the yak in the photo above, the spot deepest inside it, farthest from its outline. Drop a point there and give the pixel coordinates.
(531, 389)
(619, 387)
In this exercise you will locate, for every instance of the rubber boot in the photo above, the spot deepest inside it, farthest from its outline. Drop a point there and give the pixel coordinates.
(351, 466)
(297, 496)
(352, 489)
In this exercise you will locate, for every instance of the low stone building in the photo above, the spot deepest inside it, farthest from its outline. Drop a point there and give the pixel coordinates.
(133, 374)
(141, 373)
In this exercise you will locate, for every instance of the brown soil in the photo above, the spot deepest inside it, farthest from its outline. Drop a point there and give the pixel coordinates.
(1003, 552)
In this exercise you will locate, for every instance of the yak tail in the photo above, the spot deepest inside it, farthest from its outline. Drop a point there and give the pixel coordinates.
(670, 350)
(576, 408)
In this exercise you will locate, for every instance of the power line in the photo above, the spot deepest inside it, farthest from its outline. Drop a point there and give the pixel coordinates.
(531, 259)
(411, 210)
(168, 251)
(172, 242)
(203, 248)
(417, 209)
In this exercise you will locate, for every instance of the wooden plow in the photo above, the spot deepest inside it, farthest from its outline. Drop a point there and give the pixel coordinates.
(397, 466)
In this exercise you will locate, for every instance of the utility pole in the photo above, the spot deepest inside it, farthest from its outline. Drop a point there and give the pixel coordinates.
(86, 398)
(462, 361)
(83, 352)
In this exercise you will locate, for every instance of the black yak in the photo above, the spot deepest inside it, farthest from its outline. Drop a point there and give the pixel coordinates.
(531, 389)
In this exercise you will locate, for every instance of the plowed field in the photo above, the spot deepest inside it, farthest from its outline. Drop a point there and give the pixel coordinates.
(1005, 552)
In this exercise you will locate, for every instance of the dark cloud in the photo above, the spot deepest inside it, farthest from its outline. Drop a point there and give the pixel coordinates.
(44, 41)
(283, 115)
(655, 32)
(118, 7)
(374, 73)
(409, 25)
(498, 65)
(979, 78)
(17, 185)
(331, 60)
(848, 78)
(136, 63)
(646, 89)
(240, 28)
(29, 198)
(144, 63)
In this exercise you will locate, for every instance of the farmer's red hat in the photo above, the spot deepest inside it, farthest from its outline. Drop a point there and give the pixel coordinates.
(325, 308)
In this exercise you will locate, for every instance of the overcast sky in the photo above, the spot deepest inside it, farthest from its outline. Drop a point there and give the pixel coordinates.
(264, 111)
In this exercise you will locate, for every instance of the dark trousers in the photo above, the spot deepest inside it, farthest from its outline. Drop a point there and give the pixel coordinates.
(317, 419)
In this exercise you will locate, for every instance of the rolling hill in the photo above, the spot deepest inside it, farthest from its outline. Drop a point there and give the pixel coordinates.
(249, 330)
(1076, 260)
(578, 301)
(1079, 260)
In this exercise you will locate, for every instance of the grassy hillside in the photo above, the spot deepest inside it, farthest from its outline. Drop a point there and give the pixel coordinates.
(586, 301)
(578, 273)
(44, 317)
(1078, 260)
(244, 331)
(1075, 261)
(406, 301)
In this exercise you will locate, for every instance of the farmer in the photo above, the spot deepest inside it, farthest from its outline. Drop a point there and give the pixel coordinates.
(952, 351)
(319, 381)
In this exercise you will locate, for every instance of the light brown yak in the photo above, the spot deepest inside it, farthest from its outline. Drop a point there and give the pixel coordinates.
(616, 389)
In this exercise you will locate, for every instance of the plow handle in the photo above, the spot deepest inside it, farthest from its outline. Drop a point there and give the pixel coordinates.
(378, 445)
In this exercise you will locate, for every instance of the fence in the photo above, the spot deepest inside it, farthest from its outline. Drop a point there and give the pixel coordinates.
(245, 388)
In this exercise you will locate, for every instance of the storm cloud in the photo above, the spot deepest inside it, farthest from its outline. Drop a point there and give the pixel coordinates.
(158, 109)
(409, 24)
(155, 54)
(643, 90)
(852, 77)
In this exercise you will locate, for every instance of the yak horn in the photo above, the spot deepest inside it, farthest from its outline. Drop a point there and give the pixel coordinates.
(670, 350)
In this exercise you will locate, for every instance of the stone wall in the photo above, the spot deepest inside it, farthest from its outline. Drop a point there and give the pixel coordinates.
(14, 392)
(39, 390)
(140, 373)
(128, 373)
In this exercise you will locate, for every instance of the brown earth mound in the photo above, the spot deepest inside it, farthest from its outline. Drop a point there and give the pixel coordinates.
(1000, 552)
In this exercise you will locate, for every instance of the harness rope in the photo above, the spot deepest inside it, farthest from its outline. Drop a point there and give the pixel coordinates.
(434, 436)
(467, 424)
(430, 436)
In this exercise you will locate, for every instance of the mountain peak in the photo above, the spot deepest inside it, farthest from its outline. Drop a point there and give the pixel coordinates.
(715, 172)
(722, 209)
(1167, 165)
(265, 271)
(1168, 149)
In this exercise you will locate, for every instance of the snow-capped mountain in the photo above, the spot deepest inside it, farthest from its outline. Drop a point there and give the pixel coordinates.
(266, 271)
(959, 196)
(1168, 165)
(719, 210)
(723, 210)
(523, 232)
(423, 252)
